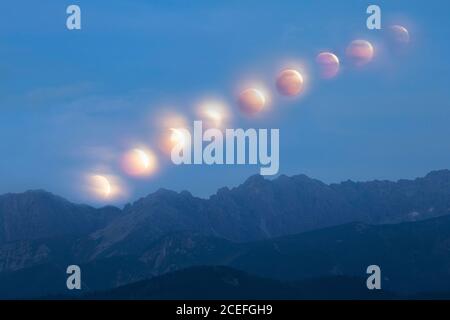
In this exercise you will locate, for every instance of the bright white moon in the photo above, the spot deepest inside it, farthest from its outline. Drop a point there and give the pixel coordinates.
(139, 162)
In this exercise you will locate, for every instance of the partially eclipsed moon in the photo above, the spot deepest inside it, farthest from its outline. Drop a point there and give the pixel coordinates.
(144, 159)
(214, 114)
(101, 186)
(399, 34)
(290, 82)
(138, 162)
(360, 52)
(328, 64)
(178, 137)
(251, 101)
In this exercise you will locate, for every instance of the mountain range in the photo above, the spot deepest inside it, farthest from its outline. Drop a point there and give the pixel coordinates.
(224, 283)
(287, 229)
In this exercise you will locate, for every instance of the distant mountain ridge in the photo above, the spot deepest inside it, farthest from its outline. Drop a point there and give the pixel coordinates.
(257, 209)
(166, 231)
(261, 209)
(39, 214)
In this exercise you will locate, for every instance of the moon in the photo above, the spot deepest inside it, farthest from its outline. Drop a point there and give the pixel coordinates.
(328, 64)
(251, 101)
(138, 162)
(290, 82)
(100, 186)
(178, 137)
(213, 113)
(399, 34)
(144, 159)
(360, 52)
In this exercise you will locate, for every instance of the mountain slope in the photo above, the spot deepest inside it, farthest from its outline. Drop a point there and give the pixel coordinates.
(39, 214)
(212, 283)
(167, 231)
(414, 257)
(261, 209)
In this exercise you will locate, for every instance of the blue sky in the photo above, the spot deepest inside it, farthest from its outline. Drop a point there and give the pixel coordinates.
(65, 93)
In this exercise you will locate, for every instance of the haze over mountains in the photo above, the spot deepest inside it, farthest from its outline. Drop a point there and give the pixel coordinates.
(303, 227)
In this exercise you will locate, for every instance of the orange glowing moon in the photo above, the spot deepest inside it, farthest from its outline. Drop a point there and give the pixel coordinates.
(138, 162)
(251, 101)
(290, 82)
(360, 52)
(328, 64)
(399, 34)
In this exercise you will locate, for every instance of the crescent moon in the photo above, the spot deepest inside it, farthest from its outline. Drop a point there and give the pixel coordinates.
(328, 64)
(261, 96)
(143, 157)
(177, 137)
(400, 34)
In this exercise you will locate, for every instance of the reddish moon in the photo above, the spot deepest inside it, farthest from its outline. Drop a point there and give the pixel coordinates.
(328, 64)
(360, 52)
(290, 82)
(251, 101)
